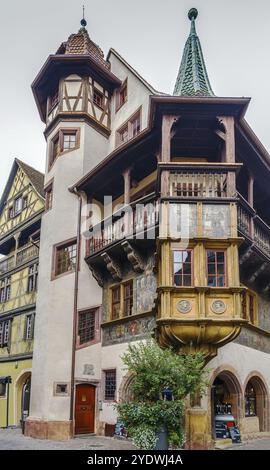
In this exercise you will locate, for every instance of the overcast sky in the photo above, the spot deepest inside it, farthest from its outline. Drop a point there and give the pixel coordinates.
(150, 35)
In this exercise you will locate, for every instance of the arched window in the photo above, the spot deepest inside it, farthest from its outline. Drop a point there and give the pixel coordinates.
(250, 400)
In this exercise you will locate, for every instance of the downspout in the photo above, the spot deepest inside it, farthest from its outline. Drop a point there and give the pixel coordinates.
(74, 335)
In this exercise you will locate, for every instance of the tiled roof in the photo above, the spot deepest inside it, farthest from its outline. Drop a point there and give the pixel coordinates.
(192, 79)
(35, 176)
(80, 43)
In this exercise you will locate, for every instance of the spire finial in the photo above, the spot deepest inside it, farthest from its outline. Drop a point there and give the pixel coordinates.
(83, 21)
(192, 14)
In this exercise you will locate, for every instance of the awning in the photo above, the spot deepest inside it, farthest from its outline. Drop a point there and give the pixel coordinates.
(5, 379)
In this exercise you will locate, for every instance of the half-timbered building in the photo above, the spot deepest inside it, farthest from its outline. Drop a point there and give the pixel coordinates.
(21, 207)
(158, 222)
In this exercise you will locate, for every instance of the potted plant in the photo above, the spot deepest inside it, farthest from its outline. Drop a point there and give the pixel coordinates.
(162, 379)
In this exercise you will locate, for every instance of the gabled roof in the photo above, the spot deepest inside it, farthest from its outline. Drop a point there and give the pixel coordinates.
(192, 79)
(142, 80)
(36, 178)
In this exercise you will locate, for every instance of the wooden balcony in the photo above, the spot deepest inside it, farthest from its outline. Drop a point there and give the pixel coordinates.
(253, 228)
(142, 215)
(197, 180)
(23, 255)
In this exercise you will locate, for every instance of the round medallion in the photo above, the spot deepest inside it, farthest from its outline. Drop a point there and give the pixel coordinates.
(183, 306)
(218, 307)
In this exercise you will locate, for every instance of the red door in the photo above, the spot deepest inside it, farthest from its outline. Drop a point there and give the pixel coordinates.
(85, 409)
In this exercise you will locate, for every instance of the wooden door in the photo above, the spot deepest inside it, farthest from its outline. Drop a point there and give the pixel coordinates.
(85, 409)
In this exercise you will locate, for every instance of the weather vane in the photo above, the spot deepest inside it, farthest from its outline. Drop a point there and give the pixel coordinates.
(83, 22)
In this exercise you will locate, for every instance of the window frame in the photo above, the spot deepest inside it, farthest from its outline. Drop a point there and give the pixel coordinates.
(128, 298)
(11, 210)
(3, 395)
(33, 276)
(118, 102)
(48, 190)
(29, 329)
(118, 302)
(189, 250)
(105, 372)
(101, 95)
(5, 333)
(128, 125)
(225, 274)
(59, 136)
(96, 310)
(56, 249)
(5, 287)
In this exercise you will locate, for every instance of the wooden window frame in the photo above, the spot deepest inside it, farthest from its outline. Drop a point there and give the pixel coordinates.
(48, 190)
(102, 96)
(247, 296)
(56, 249)
(59, 135)
(214, 250)
(3, 396)
(96, 338)
(5, 286)
(11, 211)
(113, 288)
(130, 282)
(32, 275)
(118, 102)
(104, 373)
(59, 394)
(29, 332)
(3, 325)
(128, 124)
(189, 250)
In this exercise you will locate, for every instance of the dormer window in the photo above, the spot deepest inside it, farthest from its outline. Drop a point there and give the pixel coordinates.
(19, 204)
(98, 98)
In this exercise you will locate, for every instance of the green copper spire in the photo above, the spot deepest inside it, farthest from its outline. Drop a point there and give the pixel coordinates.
(192, 79)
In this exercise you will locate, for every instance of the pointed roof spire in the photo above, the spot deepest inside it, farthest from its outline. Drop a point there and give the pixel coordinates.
(192, 79)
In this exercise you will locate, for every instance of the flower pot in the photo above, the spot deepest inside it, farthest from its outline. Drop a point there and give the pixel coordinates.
(162, 439)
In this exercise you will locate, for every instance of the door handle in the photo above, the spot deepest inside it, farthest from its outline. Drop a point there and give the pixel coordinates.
(84, 408)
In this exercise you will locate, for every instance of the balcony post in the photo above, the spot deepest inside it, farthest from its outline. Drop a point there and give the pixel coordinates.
(166, 135)
(251, 202)
(228, 124)
(127, 183)
(16, 238)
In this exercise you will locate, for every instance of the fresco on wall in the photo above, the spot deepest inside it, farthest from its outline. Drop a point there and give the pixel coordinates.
(130, 331)
(183, 221)
(216, 221)
(146, 286)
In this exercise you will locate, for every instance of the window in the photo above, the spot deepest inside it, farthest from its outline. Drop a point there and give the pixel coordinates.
(48, 196)
(87, 326)
(4, 333)
(121, 96)
(250, 400)
(110, 384)
(98, 98)
(128, 298)
(182, 267)
(61, 389)
(32, 278)
(19, 204)
(216, 268)
(130, 129)
(29, 327)
(5, 287)
(3, 387)
(65, 258)
(116, 301)
(64, 141)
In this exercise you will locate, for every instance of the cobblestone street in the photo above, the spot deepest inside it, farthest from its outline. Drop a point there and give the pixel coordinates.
(256, 444)
(12, 439)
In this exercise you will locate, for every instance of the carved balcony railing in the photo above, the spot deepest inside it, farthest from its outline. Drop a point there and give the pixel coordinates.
(140, 216)
(197, 180)
(252, 227)
(23, 255)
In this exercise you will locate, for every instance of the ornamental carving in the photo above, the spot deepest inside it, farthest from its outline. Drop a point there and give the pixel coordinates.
(218, 307)
(134, 257)
(183, 306)
(112, 266)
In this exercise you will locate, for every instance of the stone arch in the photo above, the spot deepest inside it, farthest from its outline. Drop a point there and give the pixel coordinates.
(125, 392)
(19, 385)
(229, 376)
(257, 381)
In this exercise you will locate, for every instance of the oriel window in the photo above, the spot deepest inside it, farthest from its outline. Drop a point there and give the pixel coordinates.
(216, 268)
(5, 288)
(183, 268)
(128, 298)
(32, 278)
(65, 258)
(110, 384)
(116, 302)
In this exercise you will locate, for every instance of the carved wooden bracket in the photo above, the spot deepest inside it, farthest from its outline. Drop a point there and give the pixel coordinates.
(245, 256)
(258, 272)
(97, 275)
(112, 266)
(134, 257)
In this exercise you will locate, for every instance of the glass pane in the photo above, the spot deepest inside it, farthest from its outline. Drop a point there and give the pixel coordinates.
(211, 281)
(220, 256)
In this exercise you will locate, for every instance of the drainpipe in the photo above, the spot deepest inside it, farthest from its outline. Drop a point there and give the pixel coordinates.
(8, 381)
(74, 336)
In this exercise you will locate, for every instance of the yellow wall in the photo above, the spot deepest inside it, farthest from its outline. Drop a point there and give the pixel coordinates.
(19, 371)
